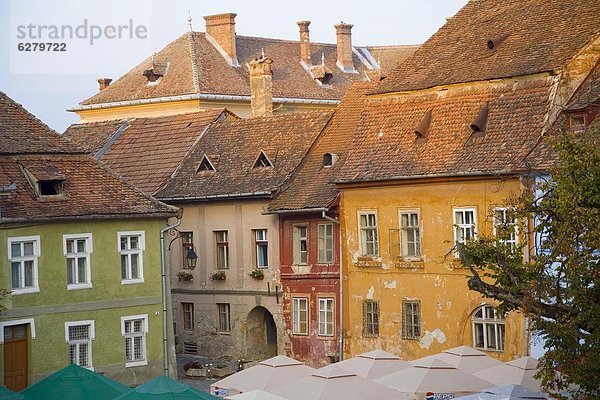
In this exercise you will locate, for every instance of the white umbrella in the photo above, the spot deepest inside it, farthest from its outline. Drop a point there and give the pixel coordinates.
(434, 377)
(374, 364)
(335, 383)
(516, 372)
(266, 375)
(255, 395)
(509, 392)
(464, 358)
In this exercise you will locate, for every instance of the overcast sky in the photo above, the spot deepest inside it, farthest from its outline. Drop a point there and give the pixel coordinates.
(47, 83)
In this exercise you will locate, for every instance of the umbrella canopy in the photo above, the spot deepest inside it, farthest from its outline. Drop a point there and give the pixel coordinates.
(374, 364)
(255, 395)
(516, 372)
(433, 376)
(266, 375)
(75, 382)
(6, 394)
(508, 392)
(464, 358)
(334, 383)
(163, 387)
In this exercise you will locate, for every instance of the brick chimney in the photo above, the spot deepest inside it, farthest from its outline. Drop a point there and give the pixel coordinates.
(344, 47)
(104, 83)
(261, 93)
(304, 42)
(221, 28)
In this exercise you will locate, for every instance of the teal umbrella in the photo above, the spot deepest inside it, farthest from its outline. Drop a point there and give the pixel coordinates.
(164, 388)
(74, 382)
(6, 394)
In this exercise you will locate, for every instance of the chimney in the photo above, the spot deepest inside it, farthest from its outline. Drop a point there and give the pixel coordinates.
(104, 82)
(221, 28)
(304, 42)
(261, 94)
(344, 47)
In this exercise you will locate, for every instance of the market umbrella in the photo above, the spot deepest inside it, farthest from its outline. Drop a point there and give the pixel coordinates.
(433, 377)
(255, 395)
(334, 383)
(516, 372)
(163, 387)
(508, 392)
(6, 394)
(464, 358)
(75, 382)
(374, 364)
(266, 375)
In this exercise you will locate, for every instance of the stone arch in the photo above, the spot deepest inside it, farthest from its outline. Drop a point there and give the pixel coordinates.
(261, 334)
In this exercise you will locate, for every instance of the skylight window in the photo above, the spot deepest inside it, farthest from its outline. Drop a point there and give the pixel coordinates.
(262, 161)
(329, 159)
(205, 165)
(50, 187)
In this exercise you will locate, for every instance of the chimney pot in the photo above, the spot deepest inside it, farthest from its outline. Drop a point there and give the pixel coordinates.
(221, 28)
(304, 42)
(104, 83)
(344, 47)
(261, 87)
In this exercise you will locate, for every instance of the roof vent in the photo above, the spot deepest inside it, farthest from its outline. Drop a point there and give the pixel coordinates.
(423, 127)
(321, 72)
(494, 42)
(157, 70)
(205, 165)
(104, 83)
(480, 122)
(262, 161)
(329, 159)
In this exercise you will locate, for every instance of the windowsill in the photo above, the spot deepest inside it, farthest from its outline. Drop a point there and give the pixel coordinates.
(131, 281)
(410, 338)
(29, 290)
(370, 336)
(489, 350)
(79, 286)
(409, 262)
(263, 267)
(136, 364)
(224, 333)
(368, 262)
(301, 335)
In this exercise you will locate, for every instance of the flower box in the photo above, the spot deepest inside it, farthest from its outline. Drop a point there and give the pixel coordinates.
(218, 275)
(257, 274)
(185, 275)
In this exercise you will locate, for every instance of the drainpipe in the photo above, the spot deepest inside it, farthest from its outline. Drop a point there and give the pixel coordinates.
(340, 301)
(163, 267)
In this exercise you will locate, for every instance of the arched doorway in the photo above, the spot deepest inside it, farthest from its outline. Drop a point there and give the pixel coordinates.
(261, 334)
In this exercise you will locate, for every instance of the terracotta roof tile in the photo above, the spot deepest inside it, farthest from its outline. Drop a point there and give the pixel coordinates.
(389, 57)
(587, 93)
(93, 136)
(233, 148)
(542, 36)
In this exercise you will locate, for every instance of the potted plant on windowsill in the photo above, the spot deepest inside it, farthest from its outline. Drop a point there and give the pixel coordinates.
(257, 274)
(218, 275)
(185, 275)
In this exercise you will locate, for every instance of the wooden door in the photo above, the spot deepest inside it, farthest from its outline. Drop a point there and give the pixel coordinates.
(15, 357)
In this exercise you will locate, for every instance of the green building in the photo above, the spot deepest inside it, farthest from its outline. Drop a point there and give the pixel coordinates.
(80, 260)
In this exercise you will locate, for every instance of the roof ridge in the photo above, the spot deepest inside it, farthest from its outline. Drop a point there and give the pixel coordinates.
(193, 56)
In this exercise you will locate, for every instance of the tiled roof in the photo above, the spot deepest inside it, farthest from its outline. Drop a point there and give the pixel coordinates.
(587, 93)
(542, 36)
(232, 147)
(22, 133)
(313, 186)
(386, 147)
(389, 57)
(192, 58)
(145, 151)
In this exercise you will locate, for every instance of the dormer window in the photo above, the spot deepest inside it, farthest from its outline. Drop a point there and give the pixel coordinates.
(577, 122)
(262, 161)
(205, 165)
(329, 159)
(45, 179)
(51, 187)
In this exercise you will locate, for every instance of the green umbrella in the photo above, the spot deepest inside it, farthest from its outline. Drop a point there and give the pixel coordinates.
(164, 388)
(6, 394)
(74, 382)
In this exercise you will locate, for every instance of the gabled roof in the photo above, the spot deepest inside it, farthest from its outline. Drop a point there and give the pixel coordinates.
(542, 37)
(233, 146)
(588, 93)
(195, 66)
(313, 186)
(145, 151)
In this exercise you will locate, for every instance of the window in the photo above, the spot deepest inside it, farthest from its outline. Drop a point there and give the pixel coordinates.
(488, 329)
(505, 227)
(300, 244)
(329, 159)
(205, 165)
(261, 248)
(465, 223)
(326, 317)
(577, 122)
(79, 336)
(134, 329)
(224, 317)
(300, 316)
(52, 187)
(411, 319)
(222, 249)
(369, 244)
(77, 250)
(187, 244)
(131, 246)
(188, 316)
(410, 234)
(370, 318)
(325, 243)
(262, 161)
(23, 253)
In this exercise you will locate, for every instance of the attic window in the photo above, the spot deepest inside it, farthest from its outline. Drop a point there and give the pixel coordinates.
(577, 122)
(262, 161)
(205, 165)
(329, 159)
(51, 187)
(151, 75)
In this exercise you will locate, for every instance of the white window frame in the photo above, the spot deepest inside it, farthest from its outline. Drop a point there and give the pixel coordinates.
(404, 235)
(456, 226)
(505, 211)
(227, 307)
(258, 243)
(485, 322)
(323, 240)
(297, 244)
(296, 312)
(92, 337)
(140, 252)
(326, 328)
(87, 255)
(21, 259)
(362, 233)
(144, 318)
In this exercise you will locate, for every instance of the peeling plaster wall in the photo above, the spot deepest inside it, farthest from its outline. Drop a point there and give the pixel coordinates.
(439, 282)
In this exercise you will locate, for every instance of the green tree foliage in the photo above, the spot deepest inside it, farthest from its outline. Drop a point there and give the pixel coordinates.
(558, 287)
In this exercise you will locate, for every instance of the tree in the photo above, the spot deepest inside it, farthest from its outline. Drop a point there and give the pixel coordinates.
(558, 287)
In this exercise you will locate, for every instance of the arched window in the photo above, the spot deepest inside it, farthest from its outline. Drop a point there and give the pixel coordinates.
(488, 329)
